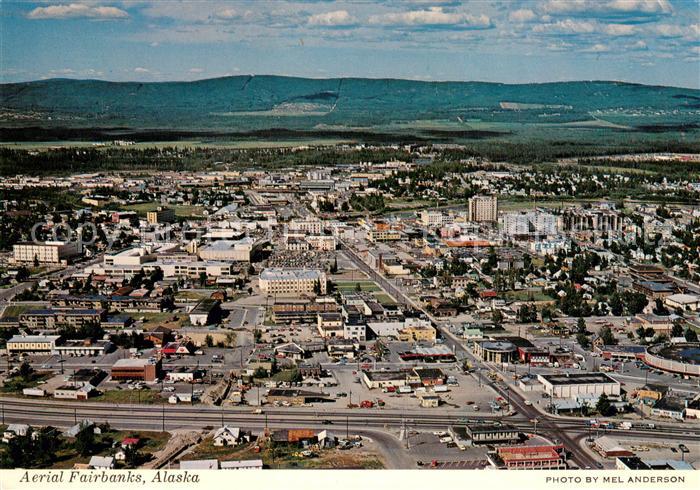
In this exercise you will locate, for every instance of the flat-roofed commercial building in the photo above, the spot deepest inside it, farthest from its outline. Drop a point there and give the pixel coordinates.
(311, 226)
(683, 302)
(194, 269)
(384, 379)
(300, 310)
(330, 324)
(84, 347)
(572, 385)
(32, 343)
(292, 282)
(483, 208)
(236, 250)
(486, 433)
(140, 369)
(130, 256)
(45, 252)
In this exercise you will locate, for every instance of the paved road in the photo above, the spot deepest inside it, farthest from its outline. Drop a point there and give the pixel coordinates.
(552, 427)
(9, 293)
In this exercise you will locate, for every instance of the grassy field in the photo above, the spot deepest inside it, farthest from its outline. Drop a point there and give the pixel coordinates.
(347, 286)
(14, 311)
(147, 397)
(527, 295)
(191, 295)
(286, 457)
(166, 319)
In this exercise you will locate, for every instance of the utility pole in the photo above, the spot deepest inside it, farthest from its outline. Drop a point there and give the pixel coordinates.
(163, 412)
(347, 426)
(75, 415)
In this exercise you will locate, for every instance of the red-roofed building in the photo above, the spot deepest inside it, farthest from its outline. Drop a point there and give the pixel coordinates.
(130, 441)
(489, 293)
(549, 457)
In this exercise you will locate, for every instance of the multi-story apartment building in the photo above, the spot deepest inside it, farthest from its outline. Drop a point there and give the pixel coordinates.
(50, 319)
(483, 208)
(160, 215)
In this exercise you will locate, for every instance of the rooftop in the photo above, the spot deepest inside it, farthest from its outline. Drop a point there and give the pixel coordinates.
(577, 378)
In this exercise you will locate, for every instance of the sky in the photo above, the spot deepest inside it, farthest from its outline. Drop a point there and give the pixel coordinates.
(643, 41)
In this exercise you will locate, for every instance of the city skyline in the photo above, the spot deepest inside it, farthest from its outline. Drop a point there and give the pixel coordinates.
(650, 42)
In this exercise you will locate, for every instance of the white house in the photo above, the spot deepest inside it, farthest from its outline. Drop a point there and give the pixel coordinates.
(227, 436)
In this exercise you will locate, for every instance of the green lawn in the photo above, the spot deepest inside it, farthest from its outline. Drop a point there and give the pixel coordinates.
(347, 286)
(384, 299)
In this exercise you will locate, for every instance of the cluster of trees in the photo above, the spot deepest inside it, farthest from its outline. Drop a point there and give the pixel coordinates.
(369, 202)
(35, 449)
(527, 314)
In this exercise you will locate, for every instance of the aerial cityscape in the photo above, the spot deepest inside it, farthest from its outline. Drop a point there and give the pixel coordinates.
(350, 272)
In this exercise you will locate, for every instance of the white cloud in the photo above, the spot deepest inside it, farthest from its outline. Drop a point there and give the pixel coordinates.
(639, 45)
(669, 30)
(597, 48)
(569, 26)
(643, 6)
(226, 14)
(140, 69)
(620, 29)
(336, 18)
(63, 71)
(522, 15)
(77, 10)
(613, 7)
(560, 46)
(196, 70)
(435, 16)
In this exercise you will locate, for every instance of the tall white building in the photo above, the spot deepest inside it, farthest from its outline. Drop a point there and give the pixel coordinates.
(45, 252)
(528, 224)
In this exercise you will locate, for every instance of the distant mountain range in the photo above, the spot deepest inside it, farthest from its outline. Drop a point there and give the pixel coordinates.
(265, 104)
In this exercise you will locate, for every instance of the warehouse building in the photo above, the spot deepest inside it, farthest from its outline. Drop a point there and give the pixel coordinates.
(572, 385)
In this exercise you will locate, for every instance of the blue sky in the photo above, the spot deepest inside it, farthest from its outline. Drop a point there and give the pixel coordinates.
(645, 41)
